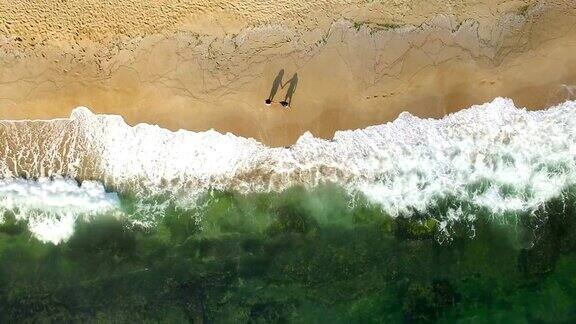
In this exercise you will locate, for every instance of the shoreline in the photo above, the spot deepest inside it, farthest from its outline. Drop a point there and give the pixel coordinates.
(351, 74)
(82, 110)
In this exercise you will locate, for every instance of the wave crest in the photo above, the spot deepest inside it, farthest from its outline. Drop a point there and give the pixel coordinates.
(51, 206)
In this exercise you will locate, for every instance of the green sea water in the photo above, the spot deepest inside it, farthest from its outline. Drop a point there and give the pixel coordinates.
(301, 256)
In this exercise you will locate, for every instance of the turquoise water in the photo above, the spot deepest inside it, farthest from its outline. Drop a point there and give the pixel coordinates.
(297, 256)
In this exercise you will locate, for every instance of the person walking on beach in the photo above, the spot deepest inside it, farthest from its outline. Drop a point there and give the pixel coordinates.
(275, 85)
(293, 82)
(291, 89)
(269, 103)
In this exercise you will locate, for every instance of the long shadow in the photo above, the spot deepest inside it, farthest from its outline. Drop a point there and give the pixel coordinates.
(292, 88)
(276, 84)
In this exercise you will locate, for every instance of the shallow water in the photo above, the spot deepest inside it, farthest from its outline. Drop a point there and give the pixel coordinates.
(299, 256)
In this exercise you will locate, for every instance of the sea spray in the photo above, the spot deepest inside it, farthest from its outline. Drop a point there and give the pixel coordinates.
(50, 207)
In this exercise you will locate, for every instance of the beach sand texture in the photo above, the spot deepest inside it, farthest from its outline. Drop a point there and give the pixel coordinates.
(208, 64)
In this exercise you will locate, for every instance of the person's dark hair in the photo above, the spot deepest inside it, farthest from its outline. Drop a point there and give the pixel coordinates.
(284, 103)
(268, 101)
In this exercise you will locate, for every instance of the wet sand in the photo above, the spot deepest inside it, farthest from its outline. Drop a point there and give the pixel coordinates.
(199, 65)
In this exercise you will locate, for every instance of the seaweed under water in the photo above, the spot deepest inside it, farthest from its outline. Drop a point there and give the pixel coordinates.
(296, 256)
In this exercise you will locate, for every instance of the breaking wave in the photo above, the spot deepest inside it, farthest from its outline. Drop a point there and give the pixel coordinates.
(51, 207)
(493, 157)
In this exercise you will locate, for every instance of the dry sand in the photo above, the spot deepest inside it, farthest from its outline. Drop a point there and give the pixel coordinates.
(211, 64)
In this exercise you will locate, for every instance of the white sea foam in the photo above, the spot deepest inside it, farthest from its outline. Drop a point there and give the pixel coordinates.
(401, 165)
(51, 206)
(494, 156)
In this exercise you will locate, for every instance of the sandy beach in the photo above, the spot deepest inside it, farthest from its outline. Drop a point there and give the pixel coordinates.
(199, 65)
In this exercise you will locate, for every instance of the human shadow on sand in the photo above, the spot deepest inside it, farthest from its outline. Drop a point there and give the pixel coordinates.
(276, 84)
(293, 82)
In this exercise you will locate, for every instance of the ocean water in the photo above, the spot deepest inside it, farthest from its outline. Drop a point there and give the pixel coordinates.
(470, 217)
